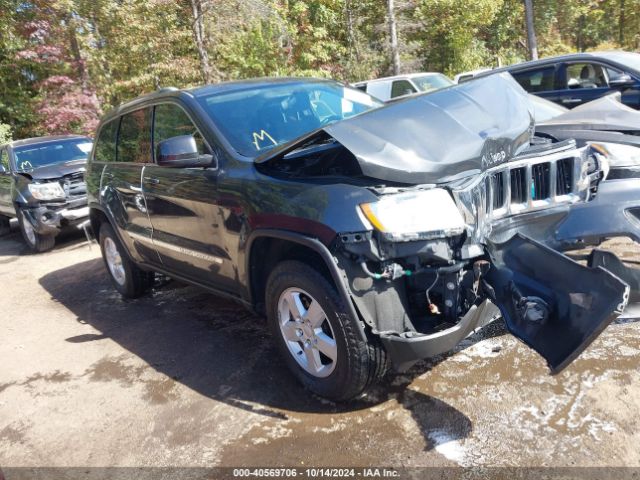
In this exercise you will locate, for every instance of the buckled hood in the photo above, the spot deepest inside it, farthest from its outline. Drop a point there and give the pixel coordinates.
(436, 137)
(56, 170)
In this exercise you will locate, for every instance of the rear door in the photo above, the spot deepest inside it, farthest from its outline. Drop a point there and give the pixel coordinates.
(122, 182)
(184, 208)
(542, 81)
(6, 181)
(582, 82)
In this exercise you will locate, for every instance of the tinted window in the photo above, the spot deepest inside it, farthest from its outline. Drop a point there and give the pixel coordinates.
(59, 151)
(401, 87)
(539, 80)
(586, 75)
(105, 150)
(4, 159)
(134, 138)
(255, 120)
(614, 73)
(171, 121)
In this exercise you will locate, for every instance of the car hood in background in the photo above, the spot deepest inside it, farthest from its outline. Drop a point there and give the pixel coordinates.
(436, 137)
(56, 170)
(606, 113)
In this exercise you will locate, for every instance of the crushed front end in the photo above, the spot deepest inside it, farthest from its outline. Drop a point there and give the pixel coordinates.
(437, 262)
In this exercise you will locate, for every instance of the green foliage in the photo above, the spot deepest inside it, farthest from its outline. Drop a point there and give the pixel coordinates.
(5, 133)
(63, 62)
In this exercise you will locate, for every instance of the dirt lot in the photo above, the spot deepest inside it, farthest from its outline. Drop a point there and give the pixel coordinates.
(182, 378)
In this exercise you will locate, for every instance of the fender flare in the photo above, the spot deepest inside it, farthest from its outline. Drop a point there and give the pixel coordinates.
(339, 278)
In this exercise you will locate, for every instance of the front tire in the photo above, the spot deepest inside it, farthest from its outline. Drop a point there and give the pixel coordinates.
(36, 242)
(130, 280)
(317, 335)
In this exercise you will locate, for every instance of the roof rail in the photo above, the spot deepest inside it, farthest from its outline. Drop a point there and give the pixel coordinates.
(167, 89)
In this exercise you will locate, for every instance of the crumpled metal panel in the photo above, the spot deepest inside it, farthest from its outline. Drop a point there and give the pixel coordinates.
(441, 136)
(554, 305)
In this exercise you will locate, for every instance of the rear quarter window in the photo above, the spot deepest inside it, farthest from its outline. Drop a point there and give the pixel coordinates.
(105, 149)
(537, 80)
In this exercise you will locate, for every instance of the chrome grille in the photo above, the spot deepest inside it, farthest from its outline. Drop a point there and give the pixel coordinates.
(74, 185)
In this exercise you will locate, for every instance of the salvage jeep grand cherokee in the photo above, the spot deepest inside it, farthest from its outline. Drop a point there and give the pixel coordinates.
(42, 184)
(369, 235)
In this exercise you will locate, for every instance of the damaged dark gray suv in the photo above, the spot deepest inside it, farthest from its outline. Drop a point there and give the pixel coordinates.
(370, 235)
(42, 185)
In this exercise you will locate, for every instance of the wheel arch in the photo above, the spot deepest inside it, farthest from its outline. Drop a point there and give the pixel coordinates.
(266, 248)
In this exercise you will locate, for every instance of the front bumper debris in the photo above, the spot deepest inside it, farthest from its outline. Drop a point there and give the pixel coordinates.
(50, 220)
(554, 305)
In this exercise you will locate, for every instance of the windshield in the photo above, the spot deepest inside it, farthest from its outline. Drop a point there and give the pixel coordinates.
(40, 154)
(257, 119)
(629, 59)
(435, 81)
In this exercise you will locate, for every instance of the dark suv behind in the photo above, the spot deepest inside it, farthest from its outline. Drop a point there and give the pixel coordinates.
(42, 184)
(369, 235)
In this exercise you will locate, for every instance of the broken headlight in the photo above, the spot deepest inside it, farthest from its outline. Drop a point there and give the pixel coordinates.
(46, 191)
(618, 155)
(416, 215)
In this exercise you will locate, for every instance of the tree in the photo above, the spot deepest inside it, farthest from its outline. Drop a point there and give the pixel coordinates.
(393, 38)
(532, 42)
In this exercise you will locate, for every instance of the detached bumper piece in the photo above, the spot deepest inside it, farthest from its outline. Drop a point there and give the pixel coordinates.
(406, 350)
(553, 304)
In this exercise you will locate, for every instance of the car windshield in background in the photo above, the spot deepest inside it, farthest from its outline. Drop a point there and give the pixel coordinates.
(436, 81)
(256, 120)
(49, 153)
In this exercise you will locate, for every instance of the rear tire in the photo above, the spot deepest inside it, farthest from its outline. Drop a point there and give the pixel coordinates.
(317, 335)
(36, 242)
(129, 279)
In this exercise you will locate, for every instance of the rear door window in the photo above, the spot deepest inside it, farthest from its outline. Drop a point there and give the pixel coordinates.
(4, 159)
(538, 80)
(401, 87)
(134, 137)
(105, 149)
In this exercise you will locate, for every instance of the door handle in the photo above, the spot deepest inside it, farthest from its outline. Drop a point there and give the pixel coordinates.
(152, 180)
(571, 100)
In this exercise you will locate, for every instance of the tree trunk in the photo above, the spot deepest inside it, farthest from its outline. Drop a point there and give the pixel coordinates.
(532, 42)
(621, 24)
(393, 38)
(200, 38)
(353, 43)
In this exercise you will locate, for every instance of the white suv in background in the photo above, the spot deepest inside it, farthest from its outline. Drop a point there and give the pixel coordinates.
(391, 87)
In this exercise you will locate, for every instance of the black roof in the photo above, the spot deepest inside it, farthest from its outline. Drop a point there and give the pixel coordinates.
(614, 56)
(223, 87)
(50, 138)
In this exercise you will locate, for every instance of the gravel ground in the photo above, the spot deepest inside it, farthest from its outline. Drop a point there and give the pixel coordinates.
(182, 378)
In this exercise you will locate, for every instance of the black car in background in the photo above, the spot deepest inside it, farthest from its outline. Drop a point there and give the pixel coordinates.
(42, 184)
(368, 234)
(572, 80)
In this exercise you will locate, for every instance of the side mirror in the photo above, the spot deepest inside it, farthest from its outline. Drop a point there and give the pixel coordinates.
(181, 152)
(623, 80)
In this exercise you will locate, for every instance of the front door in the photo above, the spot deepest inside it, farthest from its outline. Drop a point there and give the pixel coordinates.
(583, 82)
(184, 209)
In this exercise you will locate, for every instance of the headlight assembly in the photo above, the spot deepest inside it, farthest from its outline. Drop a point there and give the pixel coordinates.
(47, 191)
(617, 154)
(419, 215)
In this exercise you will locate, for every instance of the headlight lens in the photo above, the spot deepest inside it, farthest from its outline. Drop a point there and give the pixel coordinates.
(46, 191)
(419, 215)
(618, 155)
